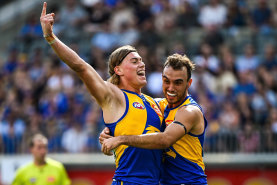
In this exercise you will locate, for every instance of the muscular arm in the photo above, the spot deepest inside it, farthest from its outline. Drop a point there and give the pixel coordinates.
(98, 88)
(102, 91)
(158, 140)
(188, 116)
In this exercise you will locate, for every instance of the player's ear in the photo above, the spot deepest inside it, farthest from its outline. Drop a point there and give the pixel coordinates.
(118, 70)
(189, 82)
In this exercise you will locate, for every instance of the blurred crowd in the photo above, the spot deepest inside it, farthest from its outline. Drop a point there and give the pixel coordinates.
(233, 44)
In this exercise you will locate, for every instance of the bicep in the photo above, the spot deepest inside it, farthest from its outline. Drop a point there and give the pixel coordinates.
(174, 132)
(184, 120)
(188, 117)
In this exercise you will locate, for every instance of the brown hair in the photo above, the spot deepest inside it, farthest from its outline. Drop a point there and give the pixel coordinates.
(37, 137)
(115, 59)
(177, 62)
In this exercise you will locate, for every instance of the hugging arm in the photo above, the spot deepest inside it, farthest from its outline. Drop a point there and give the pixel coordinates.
(184, 122)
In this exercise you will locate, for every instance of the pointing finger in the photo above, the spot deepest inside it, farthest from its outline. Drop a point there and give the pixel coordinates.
(44, 9)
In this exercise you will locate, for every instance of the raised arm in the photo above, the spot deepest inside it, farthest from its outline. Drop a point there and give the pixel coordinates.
(186, 119)
(102, 91)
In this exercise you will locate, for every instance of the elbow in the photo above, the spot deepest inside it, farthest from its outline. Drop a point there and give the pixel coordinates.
(81, 69)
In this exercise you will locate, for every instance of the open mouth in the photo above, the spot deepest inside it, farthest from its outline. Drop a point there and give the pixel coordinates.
(171, 94)
(141, 73)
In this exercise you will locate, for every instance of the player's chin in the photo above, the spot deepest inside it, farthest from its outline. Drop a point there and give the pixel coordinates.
(142, 82)
(171, 100)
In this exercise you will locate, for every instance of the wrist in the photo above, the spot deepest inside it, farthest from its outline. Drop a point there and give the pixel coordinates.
(50, 38)
(122, 140)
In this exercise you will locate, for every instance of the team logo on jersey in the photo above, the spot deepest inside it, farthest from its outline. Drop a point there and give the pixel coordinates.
(168, 122)
(157, 110)
(50, 179)
(151, 129)
(138, 105)
(33, 180)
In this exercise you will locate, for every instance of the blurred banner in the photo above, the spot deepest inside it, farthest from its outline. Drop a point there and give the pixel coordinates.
(98, 169)
(215, 177)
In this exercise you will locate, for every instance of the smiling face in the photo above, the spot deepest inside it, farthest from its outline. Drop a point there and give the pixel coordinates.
(131, 72)
(175, 85)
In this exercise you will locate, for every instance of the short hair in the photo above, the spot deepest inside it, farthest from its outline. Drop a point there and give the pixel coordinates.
(177, 62)
(37, 137)
(116, 59)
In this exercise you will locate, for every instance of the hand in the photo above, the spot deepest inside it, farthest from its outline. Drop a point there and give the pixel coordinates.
(105, 134)
(110, 144)
(46, 21)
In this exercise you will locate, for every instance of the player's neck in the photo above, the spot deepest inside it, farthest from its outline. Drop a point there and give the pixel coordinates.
(40, 162)
(130, 88)
(174, 105)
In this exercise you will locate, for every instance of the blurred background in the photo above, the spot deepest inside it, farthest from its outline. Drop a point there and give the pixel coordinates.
(232, 42)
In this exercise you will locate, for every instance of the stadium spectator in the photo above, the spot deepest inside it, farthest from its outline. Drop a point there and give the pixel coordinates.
(74, 140)
(54, 134)
(247, 61)
(229, 125)
(245, 85)
(98, 13)
(148, 36)
(262, 17)
(236, 16)
(187, 16)
(121, 14)
(226, 79)
(105, 39)
(244, 109)
(249, 139)
(30, 32)
(12, 129)
(67, 26)
(207, 60)
(213, 15)
(269, 60)
(12, 62)
(165, 18)
(93, 124)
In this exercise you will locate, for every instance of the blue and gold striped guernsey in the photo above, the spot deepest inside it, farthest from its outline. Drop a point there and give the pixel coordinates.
(136, 165)
(183, 162)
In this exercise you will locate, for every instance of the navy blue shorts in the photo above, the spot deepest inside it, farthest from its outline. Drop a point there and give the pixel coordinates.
(118, 182)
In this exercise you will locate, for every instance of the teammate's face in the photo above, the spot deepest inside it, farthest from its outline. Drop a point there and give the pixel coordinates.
(175, 85)
(132, 69)
(39, 150)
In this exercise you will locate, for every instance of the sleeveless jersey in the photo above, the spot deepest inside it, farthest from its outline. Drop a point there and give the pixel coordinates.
(135, 165)
(183, 162)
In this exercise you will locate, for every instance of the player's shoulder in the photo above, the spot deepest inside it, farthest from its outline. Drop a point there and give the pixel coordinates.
(54, 163)
(190, 112)
(147, 96)
(161, 101)
(150, 99)
(23, 169)
(189, 109)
